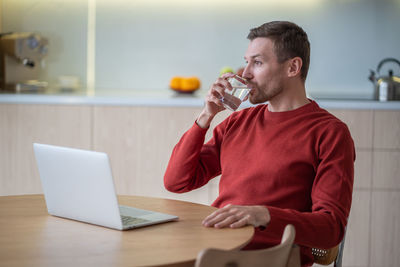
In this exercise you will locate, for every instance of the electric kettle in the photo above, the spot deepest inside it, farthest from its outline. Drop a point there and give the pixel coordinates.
(386, 88)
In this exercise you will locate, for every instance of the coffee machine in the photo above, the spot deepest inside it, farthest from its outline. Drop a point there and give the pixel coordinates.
(21, 58)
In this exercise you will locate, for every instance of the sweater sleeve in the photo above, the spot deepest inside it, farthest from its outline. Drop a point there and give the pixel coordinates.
(193, 163)
(324, 225)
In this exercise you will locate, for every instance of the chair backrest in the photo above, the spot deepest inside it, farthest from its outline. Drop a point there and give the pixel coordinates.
(277, 256)
(327, 256)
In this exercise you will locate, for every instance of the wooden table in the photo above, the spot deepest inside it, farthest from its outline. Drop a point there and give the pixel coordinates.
(31, 237)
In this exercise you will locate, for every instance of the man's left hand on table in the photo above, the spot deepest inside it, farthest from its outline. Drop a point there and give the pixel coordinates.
(235, 216)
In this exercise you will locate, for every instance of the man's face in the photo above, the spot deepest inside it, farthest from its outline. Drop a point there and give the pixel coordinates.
(265, 75)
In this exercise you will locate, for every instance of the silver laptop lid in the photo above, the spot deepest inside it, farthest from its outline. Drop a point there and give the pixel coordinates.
(78, 184)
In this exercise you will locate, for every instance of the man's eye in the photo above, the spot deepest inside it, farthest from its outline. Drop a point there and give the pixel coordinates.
(257, 62)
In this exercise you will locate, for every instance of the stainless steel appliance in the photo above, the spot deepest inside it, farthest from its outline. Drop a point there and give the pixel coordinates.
(387, 87)
(21, 55)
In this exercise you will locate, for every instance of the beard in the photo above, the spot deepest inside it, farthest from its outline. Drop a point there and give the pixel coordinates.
(261, 96)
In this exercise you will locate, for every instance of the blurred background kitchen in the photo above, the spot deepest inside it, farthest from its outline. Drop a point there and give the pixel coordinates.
(104, 71)
(141, 44)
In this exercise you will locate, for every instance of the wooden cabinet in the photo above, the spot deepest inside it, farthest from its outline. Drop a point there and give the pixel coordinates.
(139, 141)
(360, 124)
(385, 193)
(373, 235)
(22, 125)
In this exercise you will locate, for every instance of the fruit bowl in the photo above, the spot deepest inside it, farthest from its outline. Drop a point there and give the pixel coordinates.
(184, 84)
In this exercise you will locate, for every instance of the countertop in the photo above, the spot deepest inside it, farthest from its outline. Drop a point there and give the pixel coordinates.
(166, 98)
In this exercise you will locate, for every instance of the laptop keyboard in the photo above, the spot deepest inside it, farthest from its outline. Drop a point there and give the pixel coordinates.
(128, 220)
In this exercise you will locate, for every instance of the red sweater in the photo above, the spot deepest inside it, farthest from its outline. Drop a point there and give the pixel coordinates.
(299, 164)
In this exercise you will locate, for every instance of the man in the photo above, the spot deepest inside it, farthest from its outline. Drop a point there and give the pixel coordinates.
(288, 162)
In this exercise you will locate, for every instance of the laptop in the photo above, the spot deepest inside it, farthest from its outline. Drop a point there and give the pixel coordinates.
(78, 185)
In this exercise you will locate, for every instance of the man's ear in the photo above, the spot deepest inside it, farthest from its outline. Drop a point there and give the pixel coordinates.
(294, 67)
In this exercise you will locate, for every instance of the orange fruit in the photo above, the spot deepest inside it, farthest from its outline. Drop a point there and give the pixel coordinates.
(185, 84)
(190, 84)
(175, 83)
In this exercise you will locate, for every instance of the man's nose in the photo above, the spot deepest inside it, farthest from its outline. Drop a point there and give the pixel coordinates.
(247, 73)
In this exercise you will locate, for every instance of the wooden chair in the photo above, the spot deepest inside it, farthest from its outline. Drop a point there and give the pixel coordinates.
(327, 256)
(283, 255)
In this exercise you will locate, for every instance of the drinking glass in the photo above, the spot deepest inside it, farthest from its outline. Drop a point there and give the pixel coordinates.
(233, 98)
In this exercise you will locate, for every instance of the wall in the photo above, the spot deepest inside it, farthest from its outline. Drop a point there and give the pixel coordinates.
(142, 44)
(1, 15)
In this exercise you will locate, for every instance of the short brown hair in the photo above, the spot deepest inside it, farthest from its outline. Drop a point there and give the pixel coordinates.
(289, 39)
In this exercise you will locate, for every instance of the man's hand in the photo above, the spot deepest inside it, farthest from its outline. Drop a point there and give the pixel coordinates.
(213, 103)
(238, 216)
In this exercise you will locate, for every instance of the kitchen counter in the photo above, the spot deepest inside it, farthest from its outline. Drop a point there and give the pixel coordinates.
(165, 98)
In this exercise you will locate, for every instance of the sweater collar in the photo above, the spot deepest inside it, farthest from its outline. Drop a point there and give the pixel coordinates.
(312, 106)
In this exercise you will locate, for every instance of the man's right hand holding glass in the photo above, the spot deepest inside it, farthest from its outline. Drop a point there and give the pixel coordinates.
(213, 104)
